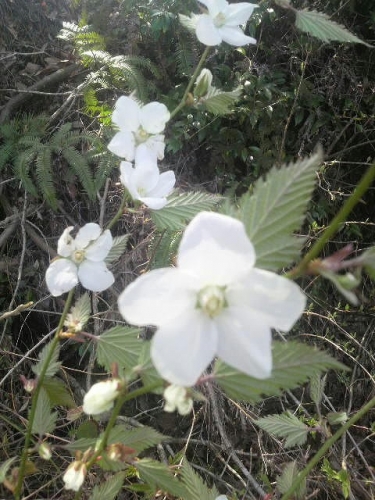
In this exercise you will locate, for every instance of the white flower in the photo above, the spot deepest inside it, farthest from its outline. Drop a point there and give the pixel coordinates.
(101, 397)
(138, 125)
(144, 181)
(176, 398)
(81, 259)
(214, 303)
(222, 21)
(75, 475)
(221, 497)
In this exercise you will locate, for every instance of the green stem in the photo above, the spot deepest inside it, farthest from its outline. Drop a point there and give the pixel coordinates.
(191, 83)
(36, 392)
(334, 226)
(323, 450)
(119, 211)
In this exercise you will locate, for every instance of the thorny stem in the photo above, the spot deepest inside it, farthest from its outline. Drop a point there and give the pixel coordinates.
(326, 446)
(35, 396)
(191, 83)
(332, 229)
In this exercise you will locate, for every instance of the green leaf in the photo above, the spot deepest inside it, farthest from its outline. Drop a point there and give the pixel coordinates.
(147, 371)
(319, 25)
(81, 444)
(196, 488)
(317, 384)
(337, 418)
(293, 364)
(159, 476)
(218, 102)
(181, 208)
(285, 426)
(287, 478)
(276, 209)
(118, 248)
(44, 420)
(58, 393)
(109, 489)
(80, 312)
(54, 364)
(119, 345)
(4, 467)
(139, 439)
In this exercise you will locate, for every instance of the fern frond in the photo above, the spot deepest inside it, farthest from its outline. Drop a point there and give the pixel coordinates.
(106, 163)
(81, 168)
(44, 176)
(22, 166)
(164, 248)
(185, 56)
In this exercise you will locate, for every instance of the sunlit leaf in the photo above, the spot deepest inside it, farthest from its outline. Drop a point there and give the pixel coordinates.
(118, 248)
(119, 345)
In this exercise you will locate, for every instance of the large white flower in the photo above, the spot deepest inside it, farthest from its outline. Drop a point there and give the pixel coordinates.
(81, 259)
(222, 22)
(144, 181)
(138, 125)
(214, 303)
(101, 397)
(75, 475)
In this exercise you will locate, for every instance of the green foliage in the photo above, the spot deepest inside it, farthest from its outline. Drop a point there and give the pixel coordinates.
(286, 426)
(120, 345)
(54, 364)
(196, 488)
(181, 208)
(293, 364)
(164, 248)
(342, 476)
(109, 489)
(31, 152)
(158, 476)
(58, 393)
(118, 248)
(276, 209)
(79, 313)
(44, 421)
(139, 439)
(285, 481)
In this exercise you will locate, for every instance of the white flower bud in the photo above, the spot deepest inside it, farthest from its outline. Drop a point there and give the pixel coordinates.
(74, 476)
(101, 396)
(176, 398)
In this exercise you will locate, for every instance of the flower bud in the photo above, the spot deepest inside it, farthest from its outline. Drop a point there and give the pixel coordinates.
(203, 83)
(44, 451)
(101, 397)
(177, 398)
(75, 475)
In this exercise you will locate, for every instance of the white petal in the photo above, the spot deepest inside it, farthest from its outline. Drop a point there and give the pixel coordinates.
(181, 350)
(100, 397)
(234, 36)
(157, 145)
(127, 178)
(95, 276)
(238, 13)
(88, 233)
(145, 156)
(165, 185)
(61, 276)
(206, 31)
(216, 249)
(157, 297)
(99, 250)
(126, 114)
(278, 300)
(215, 6)
(153, 203)
(123, 145)
(244, 342)
(66, 245)
(153, 117)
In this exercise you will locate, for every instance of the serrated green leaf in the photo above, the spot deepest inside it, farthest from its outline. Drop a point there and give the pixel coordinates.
(337, 418)
(54, 364)
(4, 467)
(139, 438)
(58, 393)
(285, 426)
(293, 364)
(109, 489)
(119, 345)
(146, 369)
(118, 248)
(44, 420)
(319, 25)
(181, 208)
(276, 209)
(317, 384)
(159, 476)
(195, 487)
(285, 481)
(219, 102)
(79, 313)
(81, 444)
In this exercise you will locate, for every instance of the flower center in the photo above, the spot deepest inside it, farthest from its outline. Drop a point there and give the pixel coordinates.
(78, 256)
(141, 135)
(212, 300)
(220, 20)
